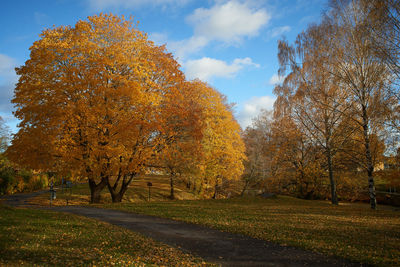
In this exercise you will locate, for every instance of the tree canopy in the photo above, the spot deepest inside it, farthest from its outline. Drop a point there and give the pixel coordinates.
(337, 107)
(102, 101)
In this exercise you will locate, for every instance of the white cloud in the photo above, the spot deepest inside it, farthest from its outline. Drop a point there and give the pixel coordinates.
(276, 79)
(129, 4)
(158, 38)
(7, 65)
(252, 109)
(187, 46)
(279, 31)
(228, 22)
(8, 78)
(245, 61)
(206, 68)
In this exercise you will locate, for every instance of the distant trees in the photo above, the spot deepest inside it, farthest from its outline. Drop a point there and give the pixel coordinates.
(259, 162)
(5, 135)
(102, 101)
(337, 98)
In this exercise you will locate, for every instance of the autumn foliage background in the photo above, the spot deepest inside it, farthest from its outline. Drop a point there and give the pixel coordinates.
(334, 129)
(101, 102)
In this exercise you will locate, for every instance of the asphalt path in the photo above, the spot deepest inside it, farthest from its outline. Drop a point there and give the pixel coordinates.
(222, 248)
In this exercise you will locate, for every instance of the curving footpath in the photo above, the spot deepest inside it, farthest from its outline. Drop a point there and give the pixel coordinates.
(222, 248)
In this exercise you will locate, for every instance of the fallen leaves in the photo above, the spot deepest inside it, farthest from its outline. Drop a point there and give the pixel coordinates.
(351, 231)
(33, 237)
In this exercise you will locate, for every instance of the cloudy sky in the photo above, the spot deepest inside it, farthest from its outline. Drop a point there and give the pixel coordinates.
(231, 44)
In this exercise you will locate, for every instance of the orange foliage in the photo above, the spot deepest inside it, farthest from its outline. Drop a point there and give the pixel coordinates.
(100, 100)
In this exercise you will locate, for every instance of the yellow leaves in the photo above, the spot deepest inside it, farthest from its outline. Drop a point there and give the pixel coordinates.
(35, 234)
(86, 84)
(221, 142)
(203, 137)
(99, 98)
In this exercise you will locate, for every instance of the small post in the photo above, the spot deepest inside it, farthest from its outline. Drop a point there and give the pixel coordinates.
(51, 192)
(149, 184)
(66, 192)
(68, 184)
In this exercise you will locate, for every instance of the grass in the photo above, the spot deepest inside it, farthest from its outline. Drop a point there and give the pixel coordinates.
(137, 192)
(350, 231)
(34, 237)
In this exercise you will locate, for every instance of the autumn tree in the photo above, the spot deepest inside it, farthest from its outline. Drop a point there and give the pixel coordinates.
(183, 131)
(172, 121)
(318, 103)
(221, 146)
(297, 159)
(204, 140)
(359, 70)
(259, 164)
(90, 101)
(338, 87)
(6, 170)
(384, 24)
(102, 101)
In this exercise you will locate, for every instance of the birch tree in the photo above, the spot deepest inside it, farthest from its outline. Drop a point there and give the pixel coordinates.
(317, 102)
(362, 73)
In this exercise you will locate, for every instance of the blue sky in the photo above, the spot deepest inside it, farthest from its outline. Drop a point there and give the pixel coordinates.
(231, 44)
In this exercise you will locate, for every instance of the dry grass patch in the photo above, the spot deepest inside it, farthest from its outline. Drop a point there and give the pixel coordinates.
(138, 191)
(44, 238)
(351, 231)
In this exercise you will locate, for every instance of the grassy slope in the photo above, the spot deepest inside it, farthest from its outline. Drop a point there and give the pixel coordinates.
(137, 192)
(46, 238)
(351, 231)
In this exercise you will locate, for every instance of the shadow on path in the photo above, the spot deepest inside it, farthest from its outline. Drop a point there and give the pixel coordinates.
(212, 245)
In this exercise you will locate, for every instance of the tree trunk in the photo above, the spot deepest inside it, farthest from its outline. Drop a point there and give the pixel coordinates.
(370, 165)
(171, 181)
(334, 198)
(116, 196)
(201, 187)
(300, 188)
(246, 184)
(371, 187)
(215, 190)
(95, 189)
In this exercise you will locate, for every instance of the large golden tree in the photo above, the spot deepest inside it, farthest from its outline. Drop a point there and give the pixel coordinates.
(102, 101)
(89, 101)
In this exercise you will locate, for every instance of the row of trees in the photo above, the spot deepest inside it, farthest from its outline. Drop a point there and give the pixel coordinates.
(338, 107)
(101, 101)
(12, 179)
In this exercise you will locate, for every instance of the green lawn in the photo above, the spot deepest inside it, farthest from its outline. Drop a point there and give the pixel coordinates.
(33, 237)
(351, 231)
